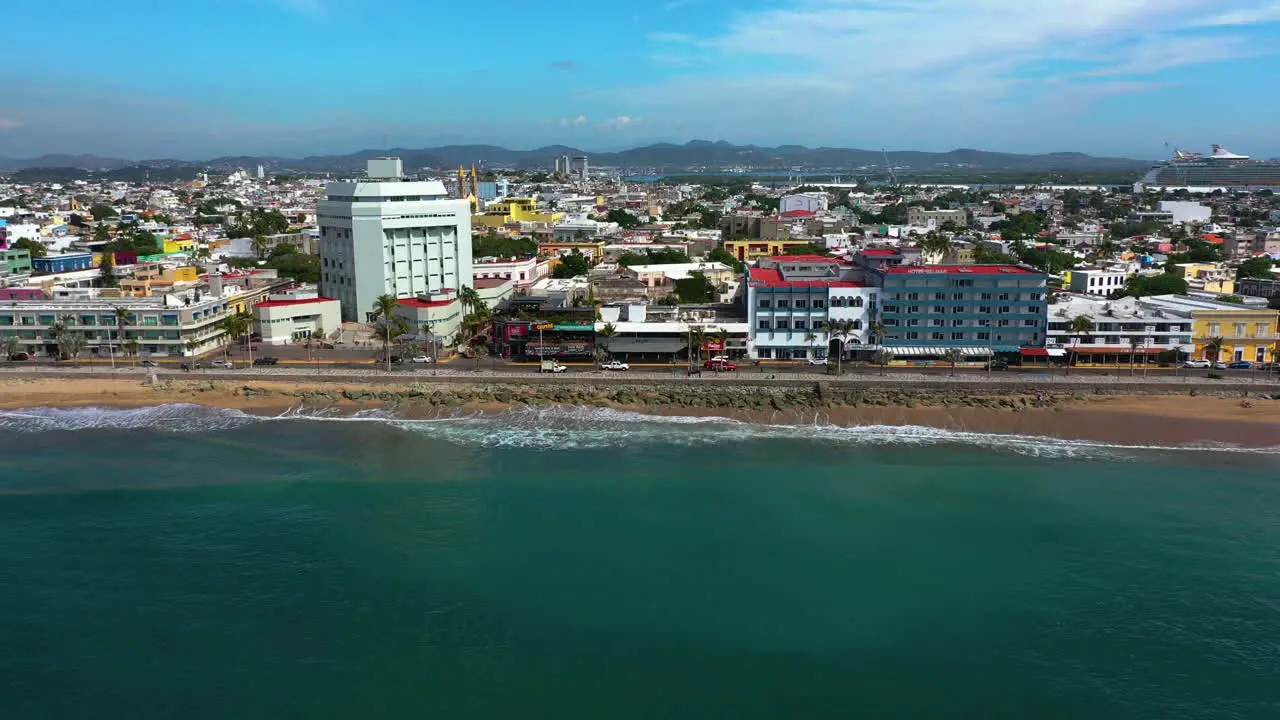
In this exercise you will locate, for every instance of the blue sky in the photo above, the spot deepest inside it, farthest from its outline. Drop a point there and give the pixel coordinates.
(200, 78)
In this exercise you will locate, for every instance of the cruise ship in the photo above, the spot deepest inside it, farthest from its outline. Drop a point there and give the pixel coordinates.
(1221, 169)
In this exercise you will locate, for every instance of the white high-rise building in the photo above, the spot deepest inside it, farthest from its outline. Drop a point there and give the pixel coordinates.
(389, 236)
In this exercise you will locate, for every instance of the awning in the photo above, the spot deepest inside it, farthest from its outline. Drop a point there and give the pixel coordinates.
(644, 345)
(1114, 350)
(1043, 352)
(937, 351)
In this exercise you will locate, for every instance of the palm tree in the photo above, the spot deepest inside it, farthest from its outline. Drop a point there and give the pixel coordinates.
(259, 245)
(953, 356)
(130, 348)
(192, 346)
(1134, 344)
(122, 317)
(810, 339)
(722, 337)
(936, 243)
(470, 299)
(10, 346)
(384, 307)
(882, 358)
(1215, 346)
(840, 330)
(697, 336)
(1080, 325)
(232, 326)
(202, 253)
(878, 331)
(606, 331)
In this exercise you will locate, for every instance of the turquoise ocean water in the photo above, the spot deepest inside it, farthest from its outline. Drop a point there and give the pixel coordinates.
(180, 562)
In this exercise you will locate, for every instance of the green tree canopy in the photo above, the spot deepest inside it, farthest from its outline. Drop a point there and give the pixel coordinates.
(1259, 267)
(102, 211)
(1143, 285)
(37, 249)
(661, 256)
(502, 246)
(623, 219)
(722, 255)
(572, 264)
(695, 289)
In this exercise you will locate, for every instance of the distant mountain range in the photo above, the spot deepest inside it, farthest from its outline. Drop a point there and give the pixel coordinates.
(695, 156)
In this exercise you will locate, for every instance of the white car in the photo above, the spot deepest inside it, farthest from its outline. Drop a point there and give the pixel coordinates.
(421, 359)
(1197, 364)
(615, 365)
(224, 364)
(820, 362)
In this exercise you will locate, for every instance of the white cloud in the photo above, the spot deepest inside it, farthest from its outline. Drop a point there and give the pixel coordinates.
(827, 68)
(618, 123)
(1257, 15)
(9, 124)
(578, 121)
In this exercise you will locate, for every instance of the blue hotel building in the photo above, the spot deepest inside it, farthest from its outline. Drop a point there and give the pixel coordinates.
(980, 309)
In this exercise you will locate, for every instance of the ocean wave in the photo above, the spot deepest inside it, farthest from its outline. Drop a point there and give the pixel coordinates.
(549, 428)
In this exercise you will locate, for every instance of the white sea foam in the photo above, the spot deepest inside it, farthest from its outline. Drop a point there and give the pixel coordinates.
(580, 428)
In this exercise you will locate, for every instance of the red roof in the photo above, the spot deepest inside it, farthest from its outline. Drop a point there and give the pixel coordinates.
(770, 278)
(416, 303)
(286, 303)
(798, 213)
(807, 258)
(958, 270)
(1215, 239)
(878, 252)
(488, 283)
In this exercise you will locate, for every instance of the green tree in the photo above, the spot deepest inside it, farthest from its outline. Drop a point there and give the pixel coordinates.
(623, 219)
(840, 330)
(260, 245)
(102, 211)
(573, 264)
(494, 245)
(144, 243)
(1259, 267)
(953, 356)
(10, 346)
(236, 326)
(37, 249)
(882, 357)
(107, 271)
(102, 233)
(722, 255)
(387, 324)
(1147, 285)
(1233, 299)
(1079, 326)
(1214, 347)
(695, 289)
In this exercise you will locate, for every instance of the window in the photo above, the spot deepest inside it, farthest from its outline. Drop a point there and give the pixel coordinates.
(957, 323)
(765, 353)
(939, 296)
(984, 336)
(913, 296)
(802, 304)
(857, 324)
(957, 309)
(957, 296)
(764, 325)
(1004, 296)
(938, 336)
(913, 336)
(938, 309)
(1003, 323)
(857, 302)
(1262, 330)
(819, 324)
(938, 323)
(782, 324)
(985, 296)
(1215, 329)
(765, 302)
(1241, 330)
(985, 309)
(913, 322)
(957, 336)
(801, 325)
(151, 320)
(783, 304)
(1004, 309)
(819, 304)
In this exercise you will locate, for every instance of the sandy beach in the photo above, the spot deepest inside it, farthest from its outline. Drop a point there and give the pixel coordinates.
(1150, 420)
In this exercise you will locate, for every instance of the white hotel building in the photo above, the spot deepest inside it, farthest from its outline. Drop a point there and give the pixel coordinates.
(389, 236)
(792, 301)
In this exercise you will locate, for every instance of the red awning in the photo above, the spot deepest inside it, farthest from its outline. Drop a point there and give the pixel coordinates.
(1035, 352)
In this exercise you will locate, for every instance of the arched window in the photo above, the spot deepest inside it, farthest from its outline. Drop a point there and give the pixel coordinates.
(857, 302)
(857, 324)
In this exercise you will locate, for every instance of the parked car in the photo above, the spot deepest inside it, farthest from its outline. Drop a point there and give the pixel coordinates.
(20, 356)
(266, 361)
(1197, 364)
(615, 365)
(421, 359)
(189, 366)
(395, 360)
(998, 365)
(552, 366)
(819, 362)
(1219, 365)
(224, 364)
(1240, 365)
(148, 363)
(719, 365)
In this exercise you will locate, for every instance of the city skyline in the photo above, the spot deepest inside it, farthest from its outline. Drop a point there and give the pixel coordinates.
(299, 77)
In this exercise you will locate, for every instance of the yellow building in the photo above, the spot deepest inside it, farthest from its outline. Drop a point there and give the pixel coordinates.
(748, 250)
(1214, 279)
(173, 245)
(1247, 334)
(513, 210)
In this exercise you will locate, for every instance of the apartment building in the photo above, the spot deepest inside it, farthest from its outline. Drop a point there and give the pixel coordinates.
(294, 315)
(979, 309)
(1245, 333)
(1117, 328)
(1247, 243)
(793, 301)
(176, 324)
(1094, 281)
(936, 218)
(522, 272)
(389, 236)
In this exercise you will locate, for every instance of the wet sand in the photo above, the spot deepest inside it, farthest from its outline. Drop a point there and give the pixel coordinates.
(1144, 420)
